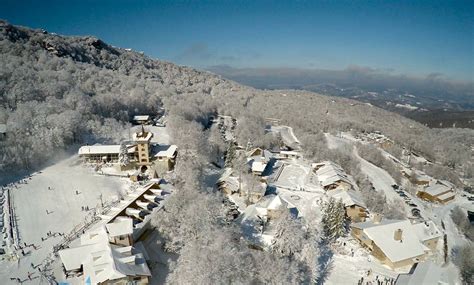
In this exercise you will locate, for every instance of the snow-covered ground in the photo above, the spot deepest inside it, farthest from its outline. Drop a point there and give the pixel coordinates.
(287, 135)
(350, 262)
(292, 176)
(52, 201)
(303, 201)
(51, 204)
(381, 180)
(348, 269)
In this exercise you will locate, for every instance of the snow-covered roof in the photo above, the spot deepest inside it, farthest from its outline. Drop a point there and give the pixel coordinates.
(72, 258)
(421, 176)
(328, 173)
(253, 152)
(94, 236)
(260, 188)
(120, 226)
(102, 261)
(165, 150)
(258, 166)
(231, 182)
(271, 202)
(131, 198)
(424, 273)
(447, 183)
(427, 230)
(446, 196)
(348, 197)
(289, 152)
(111, 263)
(142, 136)
(3, 128)
(328, 180)
(141, 118)
(436, 189)
(252, 212)
(103, 149)
(225, 174)
(382, 234)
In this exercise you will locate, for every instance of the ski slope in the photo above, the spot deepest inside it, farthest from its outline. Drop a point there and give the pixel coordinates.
(57, 209)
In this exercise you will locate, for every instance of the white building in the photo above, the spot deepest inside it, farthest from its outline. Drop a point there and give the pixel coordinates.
(397, 243)
(440, 192)
(258, 160)
(332, 176)
(141, 119)
(355, 207)
(104, 153)
(423, 273)
(103, 262)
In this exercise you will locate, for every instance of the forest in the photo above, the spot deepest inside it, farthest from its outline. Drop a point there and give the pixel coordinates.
(59, 91)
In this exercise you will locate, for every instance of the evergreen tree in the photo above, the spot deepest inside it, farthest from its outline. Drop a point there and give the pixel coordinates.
(123, 155)
(334, 219)
(231, 155)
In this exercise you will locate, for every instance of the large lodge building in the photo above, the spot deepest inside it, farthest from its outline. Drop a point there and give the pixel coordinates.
(141, 153)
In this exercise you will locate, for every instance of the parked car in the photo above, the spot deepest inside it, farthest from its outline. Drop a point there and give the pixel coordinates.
(395, 186)
(402, 194)
(412, 204)
(415, 212)
(469, 189)
(471, 198)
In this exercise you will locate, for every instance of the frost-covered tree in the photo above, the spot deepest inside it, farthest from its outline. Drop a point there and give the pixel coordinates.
(289, 237)
(231, 155)
(374, 200)
(334, 220)
(124, 160)
(459, 218)
(463, 258)
(224, 259)
(395, 210)
(298, 242)
(217, 144)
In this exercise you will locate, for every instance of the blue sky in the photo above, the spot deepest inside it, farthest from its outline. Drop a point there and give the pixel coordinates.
(408, 37)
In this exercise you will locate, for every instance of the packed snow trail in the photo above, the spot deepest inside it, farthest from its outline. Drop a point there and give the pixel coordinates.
(381, 180)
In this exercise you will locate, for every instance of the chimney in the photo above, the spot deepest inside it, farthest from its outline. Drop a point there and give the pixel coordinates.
(377, 218)
(398, 235)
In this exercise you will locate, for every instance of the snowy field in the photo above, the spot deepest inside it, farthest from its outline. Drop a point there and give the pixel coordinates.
(303, 201)
(52, 201)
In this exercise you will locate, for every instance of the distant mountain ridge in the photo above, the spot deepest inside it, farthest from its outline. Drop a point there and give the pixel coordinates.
(408, 96)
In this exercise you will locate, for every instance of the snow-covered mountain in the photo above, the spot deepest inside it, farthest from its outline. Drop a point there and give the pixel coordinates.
(60, 90)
